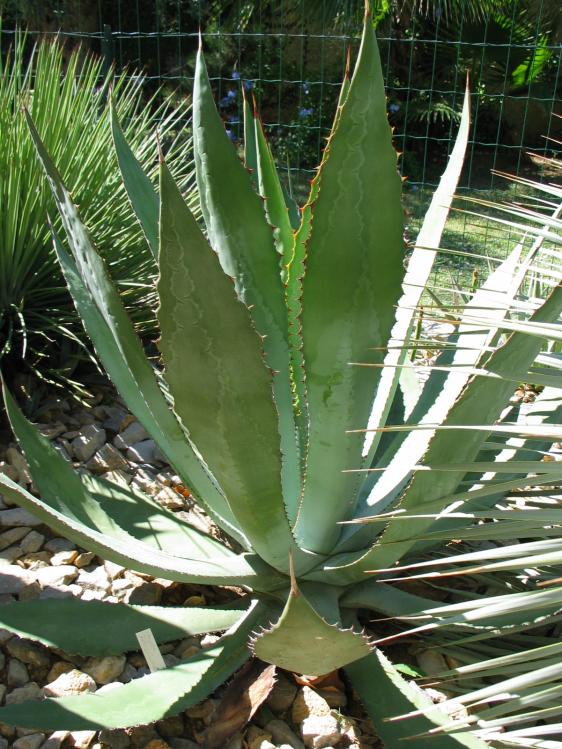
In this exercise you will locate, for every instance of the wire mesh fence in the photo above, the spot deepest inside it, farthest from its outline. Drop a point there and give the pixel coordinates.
(291, 55)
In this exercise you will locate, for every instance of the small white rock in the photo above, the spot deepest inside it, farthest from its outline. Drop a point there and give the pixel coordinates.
(208, 641)
(107, 458)
(64, 557)
(18, 675)
(7, 470)
(61, 575)
(431, 662)
(61, 591)
(113, 570)
(19, 464)
(142, 452)
(71, 682)
(121, 478)
(17, 516)
(10, 554)
(31, 691)
(170, 499)
(13, 579)
(98, 579)
(82, 739)
(105, 670)
(12, 536)
(31, 741)
(146, 482)
(283, 734)
(32, 542)
(90, 439)
(84, 559)
(59, 544)
(320, 731)
(132, 434)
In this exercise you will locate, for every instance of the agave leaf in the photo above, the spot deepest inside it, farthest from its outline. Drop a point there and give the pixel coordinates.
(188, 464)
(146, 520)
(139, 188)
(228, 408)
(272, 192)
(250, 147)
(244, 569)
(386, 694)
(292, 207)
(102, 506)
(420, 265)
(80, 627)
(295, 277)
(150, 698)
(120, 350)
(238, 231)
(278, 217)
(347, 308)
(386, 599)
(301, 640)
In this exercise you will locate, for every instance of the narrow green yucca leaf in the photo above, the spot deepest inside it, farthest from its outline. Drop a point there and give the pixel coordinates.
(250, 146)
(380, 684)
(66, 95)
(139, 188)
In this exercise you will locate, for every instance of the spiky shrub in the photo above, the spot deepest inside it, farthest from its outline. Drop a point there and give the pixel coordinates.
(261, 324)
(66, 94)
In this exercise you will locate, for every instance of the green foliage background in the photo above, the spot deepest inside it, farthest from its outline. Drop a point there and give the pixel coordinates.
(292, 53)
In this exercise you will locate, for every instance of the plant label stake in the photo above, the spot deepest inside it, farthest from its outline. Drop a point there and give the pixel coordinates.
(150, 650)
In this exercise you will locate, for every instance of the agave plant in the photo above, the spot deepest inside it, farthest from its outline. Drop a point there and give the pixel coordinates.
(66, 92)
(288, 405)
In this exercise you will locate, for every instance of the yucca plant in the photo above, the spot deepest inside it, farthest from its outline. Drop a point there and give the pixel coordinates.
(283, 345)
(66, 93)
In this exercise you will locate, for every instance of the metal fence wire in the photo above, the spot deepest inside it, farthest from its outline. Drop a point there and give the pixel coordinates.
(292, 54)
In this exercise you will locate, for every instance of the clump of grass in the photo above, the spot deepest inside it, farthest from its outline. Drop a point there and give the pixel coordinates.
(67, 96)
